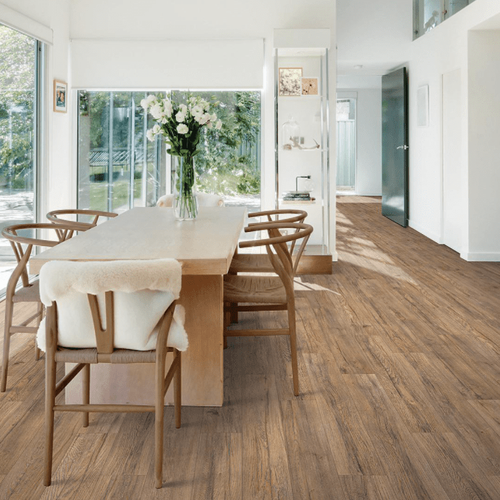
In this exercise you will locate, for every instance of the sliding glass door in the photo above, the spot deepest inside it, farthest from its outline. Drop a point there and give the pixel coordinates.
(20, 66)
(118, 168)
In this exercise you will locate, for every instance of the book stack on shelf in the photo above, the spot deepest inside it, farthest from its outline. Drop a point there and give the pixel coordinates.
(297, 196)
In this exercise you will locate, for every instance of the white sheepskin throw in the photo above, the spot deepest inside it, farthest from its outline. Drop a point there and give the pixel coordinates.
(204, 200)
(143, 290)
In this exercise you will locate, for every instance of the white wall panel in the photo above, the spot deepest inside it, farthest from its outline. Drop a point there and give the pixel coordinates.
(149, 64)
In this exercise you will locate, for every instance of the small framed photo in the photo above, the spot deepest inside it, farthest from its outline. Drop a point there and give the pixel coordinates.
(290, 81)
(60, 96)
(309, 86)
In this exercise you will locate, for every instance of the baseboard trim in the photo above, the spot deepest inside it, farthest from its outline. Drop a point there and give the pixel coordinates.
(428, 234)
(481, 256)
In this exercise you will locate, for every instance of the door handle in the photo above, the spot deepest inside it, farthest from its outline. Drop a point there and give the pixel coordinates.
(405, 147)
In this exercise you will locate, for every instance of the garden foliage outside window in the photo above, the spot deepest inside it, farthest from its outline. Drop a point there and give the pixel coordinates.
(119, 168)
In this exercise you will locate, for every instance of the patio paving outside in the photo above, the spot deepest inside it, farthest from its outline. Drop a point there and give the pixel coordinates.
(15, 208)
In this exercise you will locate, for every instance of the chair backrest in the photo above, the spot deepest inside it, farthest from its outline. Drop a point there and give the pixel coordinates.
(66, 216)
(22, 245)
(283, 216)
(278, 249)
(111, 304)
(204, 200)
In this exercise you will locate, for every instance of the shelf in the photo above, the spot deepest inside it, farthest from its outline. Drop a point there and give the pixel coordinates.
(311, 128)
(304, 202)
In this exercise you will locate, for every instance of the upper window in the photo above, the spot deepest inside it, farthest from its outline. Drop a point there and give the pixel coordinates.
(427, 14)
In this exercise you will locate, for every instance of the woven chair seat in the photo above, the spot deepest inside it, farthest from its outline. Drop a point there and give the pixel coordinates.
(28, 293)
(251, 263)
(117, 356)
(254, 289)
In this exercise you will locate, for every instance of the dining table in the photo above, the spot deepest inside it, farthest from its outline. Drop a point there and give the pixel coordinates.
(205, 247)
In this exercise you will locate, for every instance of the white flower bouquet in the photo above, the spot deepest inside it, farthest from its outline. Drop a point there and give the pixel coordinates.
(181, 125)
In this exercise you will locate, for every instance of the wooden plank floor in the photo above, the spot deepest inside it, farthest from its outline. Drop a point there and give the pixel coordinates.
(400, 377)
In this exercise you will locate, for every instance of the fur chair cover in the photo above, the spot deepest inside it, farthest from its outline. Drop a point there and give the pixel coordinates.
(143, 290)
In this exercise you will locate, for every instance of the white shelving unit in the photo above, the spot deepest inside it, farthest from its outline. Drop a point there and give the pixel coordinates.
(311, 113)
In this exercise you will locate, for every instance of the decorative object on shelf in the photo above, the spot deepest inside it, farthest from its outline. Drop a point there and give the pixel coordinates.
(309, 86)
(60, 96)
(290, 81)
(297, 181)
(296, 144)
(300, 196)
(296, 196)
(181, 124)
(291, 133)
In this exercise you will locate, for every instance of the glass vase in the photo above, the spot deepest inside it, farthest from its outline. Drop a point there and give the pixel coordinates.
(185, 202)
(291, 133)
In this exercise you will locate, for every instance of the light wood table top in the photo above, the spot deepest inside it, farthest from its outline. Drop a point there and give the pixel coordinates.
(204, 246)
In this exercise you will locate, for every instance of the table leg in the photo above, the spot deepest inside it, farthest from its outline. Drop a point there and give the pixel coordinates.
(202, 363)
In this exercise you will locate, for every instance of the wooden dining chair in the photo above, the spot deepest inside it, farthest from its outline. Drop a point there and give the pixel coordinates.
(260, 263)
(112, 341)
(70, 216)
(246, 293)
(22, 245)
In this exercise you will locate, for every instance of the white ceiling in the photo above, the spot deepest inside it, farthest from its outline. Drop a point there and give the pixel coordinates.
(373, 33)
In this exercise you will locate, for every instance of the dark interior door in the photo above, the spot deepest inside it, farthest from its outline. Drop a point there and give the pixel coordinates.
(395, 146)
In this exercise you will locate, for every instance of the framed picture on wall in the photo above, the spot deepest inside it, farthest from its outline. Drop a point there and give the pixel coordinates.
(309, 86)
(60, 96)
(290, 81)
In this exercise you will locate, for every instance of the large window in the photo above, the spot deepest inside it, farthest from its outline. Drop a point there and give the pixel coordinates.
(20, 57)
(427, 14)
(119, 169)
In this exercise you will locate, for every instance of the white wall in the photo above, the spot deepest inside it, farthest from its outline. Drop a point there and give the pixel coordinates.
(368, 94)
(442, 50)
(484, 146)
(58, 189)
(374, 34)
(211, 20)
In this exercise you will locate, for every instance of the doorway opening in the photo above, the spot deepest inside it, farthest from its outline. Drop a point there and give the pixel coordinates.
(346, 146)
